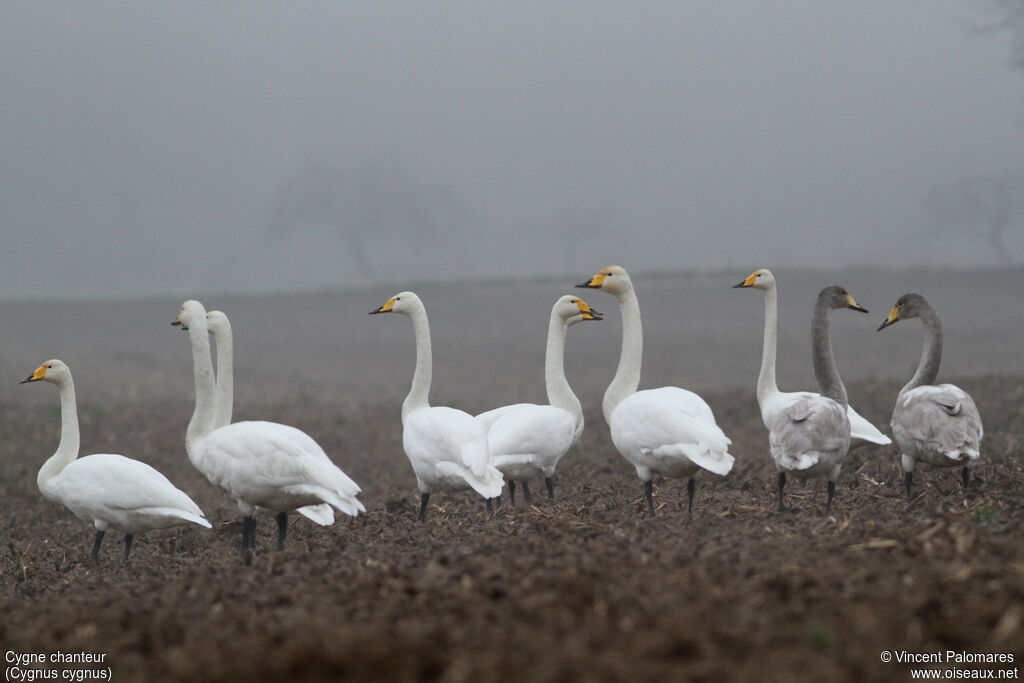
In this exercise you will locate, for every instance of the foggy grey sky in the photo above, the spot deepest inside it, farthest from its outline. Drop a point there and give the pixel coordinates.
(195, 147)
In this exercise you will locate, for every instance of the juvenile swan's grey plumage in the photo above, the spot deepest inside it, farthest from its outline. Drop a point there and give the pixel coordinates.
(938, 424)
(811, 436)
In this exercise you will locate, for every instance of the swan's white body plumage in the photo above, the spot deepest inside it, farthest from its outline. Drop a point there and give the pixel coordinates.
(107, 490)
(526, 439)
(446, 447)
(220, 329)
(273, 466)
(448, 451)
(257, 464)
(669, 431)
(112, 491)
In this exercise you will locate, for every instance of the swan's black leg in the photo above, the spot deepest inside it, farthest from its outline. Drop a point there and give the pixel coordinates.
(691, 486)
(526, 493)
(282, 529)
(648, 493)
(248, 534)
(551, 487)
(490, 505)
(831, 494)
(127, 548)
(966, 475)
(782, 485)
(95, 555)
(512, 493)
(424, 497)
(908, 483)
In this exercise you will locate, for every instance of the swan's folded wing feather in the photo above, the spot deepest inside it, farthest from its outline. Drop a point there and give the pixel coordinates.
(807, 431)
(943, 418)
(542, 430)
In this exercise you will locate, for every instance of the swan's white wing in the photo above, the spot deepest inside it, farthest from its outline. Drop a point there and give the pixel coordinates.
(124, 493)
(860, 428)
(810, 432)
(670, 424)
(487, 419)
(450, 443)
(274, 466)
(532, 435)
(936, 423)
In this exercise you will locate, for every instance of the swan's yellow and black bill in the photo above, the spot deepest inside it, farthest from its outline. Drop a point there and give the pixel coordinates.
(594, 282)
(894, 315)
(588, 312)
(177, 321)
(749, 282)
(386, 308)
(853, 305)
(35, 376)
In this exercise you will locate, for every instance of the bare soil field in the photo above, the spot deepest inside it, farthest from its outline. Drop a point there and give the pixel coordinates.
(582, 587)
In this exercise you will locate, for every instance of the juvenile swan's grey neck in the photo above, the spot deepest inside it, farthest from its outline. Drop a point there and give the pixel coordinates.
(931, 355)
(627, 376)
(830, 384)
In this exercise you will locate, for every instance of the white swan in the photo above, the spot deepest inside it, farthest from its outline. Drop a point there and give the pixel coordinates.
(107, 490)
(446, 447)
(526, 438)
(810, 437)
(668, 431)
(769, 398)
(935, 423)
(257, 464)
(220, 329)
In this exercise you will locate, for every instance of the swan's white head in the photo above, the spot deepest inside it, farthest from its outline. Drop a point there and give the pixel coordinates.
(217, 323)
(403, 302)
(613, 279)
(837, 297)
(761, 278)
(54, 371)
(573, 309)
(190, 314)
(910, 305)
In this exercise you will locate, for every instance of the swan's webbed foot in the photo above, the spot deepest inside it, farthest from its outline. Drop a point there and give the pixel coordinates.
(550, 483)
(282, 529)
(512, 493)
(831, 495)
(526, 493)
(127, 548)
(691, 486)
(908, 484)
(648, 494)
(95, 554)
(782, 486)
(424, 497)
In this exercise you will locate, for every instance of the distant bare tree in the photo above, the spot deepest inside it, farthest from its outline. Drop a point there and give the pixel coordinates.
(987, 207)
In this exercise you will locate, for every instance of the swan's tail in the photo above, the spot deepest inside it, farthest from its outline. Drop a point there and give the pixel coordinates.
(488, 486)
(320, 514)
(339, 500)
(176, 514)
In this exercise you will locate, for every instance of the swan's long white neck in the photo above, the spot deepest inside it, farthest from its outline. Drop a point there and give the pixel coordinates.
(766, 386)
(225, 376)
(627, 376)
(419, 394)
(201, 423)
(67, 449)
(560, 394)
(830, 384)
(931, 355)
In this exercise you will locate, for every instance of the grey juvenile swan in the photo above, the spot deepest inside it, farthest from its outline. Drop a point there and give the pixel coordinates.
(811, 436)
(936, 423)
